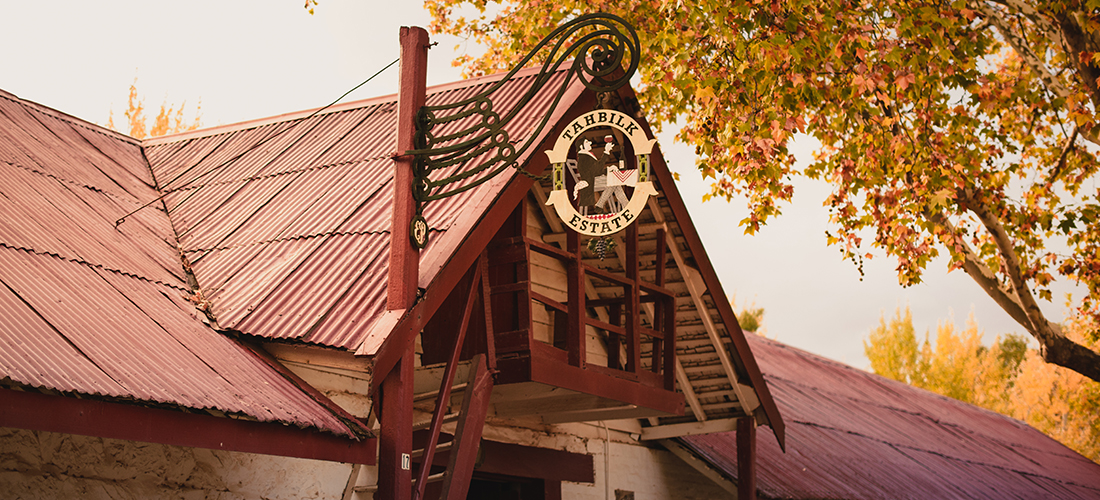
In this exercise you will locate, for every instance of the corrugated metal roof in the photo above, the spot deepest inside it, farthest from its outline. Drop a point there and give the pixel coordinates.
(90, 308)
(856, 435)
(290, 239)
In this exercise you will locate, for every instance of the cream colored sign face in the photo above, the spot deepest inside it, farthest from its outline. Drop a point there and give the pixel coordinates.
(601, 182)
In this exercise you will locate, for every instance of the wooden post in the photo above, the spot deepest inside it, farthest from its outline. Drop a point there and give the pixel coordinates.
(575, 342)
(633, 311)
(395, 441)
(746, 458)
(404, 257)
(395, 414)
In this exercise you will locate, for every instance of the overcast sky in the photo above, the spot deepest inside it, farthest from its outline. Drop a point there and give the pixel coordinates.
(253, 59)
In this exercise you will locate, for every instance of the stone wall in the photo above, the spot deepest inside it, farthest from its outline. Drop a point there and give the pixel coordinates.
(46, 465)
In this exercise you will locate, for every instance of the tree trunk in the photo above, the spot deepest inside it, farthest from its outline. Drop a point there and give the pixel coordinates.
(1057, 349)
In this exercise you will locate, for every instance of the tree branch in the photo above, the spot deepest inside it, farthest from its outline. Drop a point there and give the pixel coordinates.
(980, 273)
(1061, 165)
(1011, 260)
(1015, 40)
(998, 19)
(1053, 344)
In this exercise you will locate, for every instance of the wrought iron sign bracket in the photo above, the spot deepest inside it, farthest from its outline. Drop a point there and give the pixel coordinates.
(449, 162)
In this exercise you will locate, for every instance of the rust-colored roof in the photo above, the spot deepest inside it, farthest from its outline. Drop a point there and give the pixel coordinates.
(290, 240)
(856, 435)
(93, 309)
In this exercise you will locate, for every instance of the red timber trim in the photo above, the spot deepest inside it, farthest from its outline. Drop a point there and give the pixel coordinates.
(403, 336)
(526, 462)
(746, 459)
(710, 279)
(87, 417)
(447, 382)
(548, 365)
(529, 462)
(395, 412)
(404, 257)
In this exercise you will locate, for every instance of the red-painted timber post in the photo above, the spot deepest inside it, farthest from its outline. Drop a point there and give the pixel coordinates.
(746, 458)
(395, 414)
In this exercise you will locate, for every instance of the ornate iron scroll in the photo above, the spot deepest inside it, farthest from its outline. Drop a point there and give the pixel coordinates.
(598, 45)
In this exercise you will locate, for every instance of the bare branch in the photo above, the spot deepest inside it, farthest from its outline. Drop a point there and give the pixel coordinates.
(982, 274)
(997, 18)
(1061, 165)
(1011, 260)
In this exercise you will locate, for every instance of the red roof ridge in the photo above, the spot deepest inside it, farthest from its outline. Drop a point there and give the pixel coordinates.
(72, 120)
(296, 115)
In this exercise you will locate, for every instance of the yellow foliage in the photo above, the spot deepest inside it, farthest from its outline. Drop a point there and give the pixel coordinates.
(169, 119)
(1006, 378)
(892, 350)
(1059, 402)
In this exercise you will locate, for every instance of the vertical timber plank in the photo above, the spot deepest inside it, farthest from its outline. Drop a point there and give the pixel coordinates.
(633, 312)
(395, 445)
(746, 458)
(575, 343)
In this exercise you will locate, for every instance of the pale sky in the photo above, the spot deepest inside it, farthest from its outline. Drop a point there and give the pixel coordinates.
(253, 59)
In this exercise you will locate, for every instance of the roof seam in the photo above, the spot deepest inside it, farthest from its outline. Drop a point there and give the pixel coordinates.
(89, 143)
(129, 400)
(91, 265)
(74, 183)
(62, 335)
(271, 175)
(932, 452)
(181, 344)
(300, 237)
(872, 403)
(900, 447)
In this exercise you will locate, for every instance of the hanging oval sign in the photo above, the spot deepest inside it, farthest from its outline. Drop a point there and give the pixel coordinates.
(598, 204)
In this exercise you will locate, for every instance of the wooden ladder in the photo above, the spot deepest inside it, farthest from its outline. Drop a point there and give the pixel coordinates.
(475, 405)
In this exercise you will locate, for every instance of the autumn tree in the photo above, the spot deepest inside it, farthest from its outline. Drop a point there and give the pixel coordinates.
(169, 119)
(750, 317)
(1006, 377)
(1060, 403)
(956, 366)
(963, 128)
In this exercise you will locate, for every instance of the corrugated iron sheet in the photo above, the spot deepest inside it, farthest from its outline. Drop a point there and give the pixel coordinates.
(289, 239)
(855, 435)
(88, 307)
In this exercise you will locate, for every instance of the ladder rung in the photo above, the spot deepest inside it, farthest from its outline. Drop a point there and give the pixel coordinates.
(451, 417)
(438, 448)
(434, 477)
(431, 394)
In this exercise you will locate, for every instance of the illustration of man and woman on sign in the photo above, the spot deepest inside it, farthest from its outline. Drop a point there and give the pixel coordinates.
(599, 173)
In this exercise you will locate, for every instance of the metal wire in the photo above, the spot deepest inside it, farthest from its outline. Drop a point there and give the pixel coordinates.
(246, 151)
